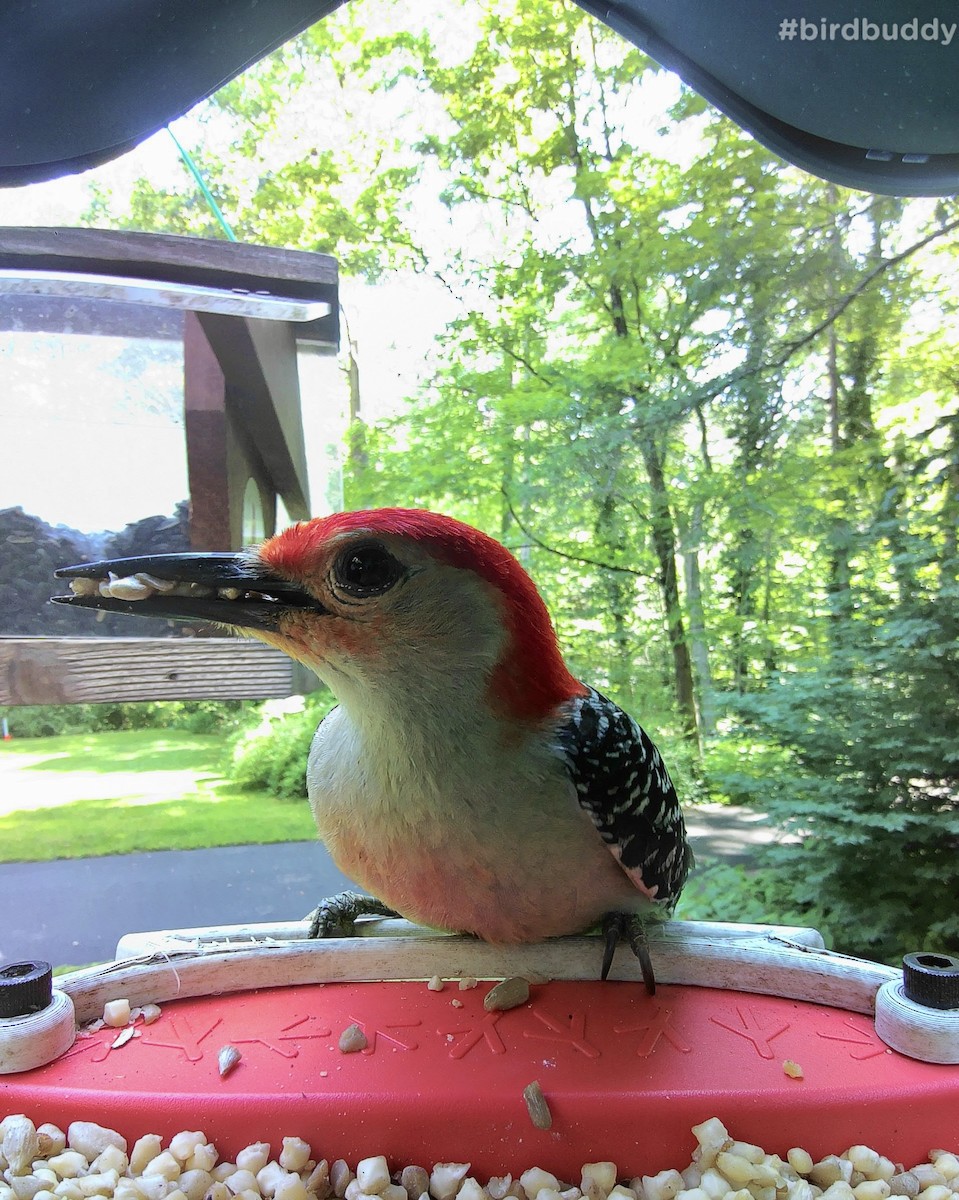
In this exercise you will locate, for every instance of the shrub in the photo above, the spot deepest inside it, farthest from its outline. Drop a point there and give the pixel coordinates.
(272, 753)
(189, 716)
(719, 891)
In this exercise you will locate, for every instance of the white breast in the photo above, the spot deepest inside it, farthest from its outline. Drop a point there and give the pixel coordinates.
(458, 836)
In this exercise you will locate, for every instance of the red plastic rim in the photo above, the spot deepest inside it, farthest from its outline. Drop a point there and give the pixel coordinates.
(625, 1076)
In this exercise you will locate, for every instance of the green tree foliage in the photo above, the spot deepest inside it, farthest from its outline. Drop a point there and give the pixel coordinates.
(709, 401)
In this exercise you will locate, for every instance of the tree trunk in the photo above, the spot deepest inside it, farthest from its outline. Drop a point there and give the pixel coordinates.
(698, 645)
(664, 545)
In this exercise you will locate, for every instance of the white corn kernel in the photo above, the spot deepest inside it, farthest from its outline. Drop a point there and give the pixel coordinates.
(760, 1191)
(91, 1139)
(183, 1144)
(666, 1185)
(840, 1190)
(254, 1157)
(290, 1187)
(269, 1178)
(372, 1174)
(111, 1159)
(535, 1179)
(164, 1165)
(445, 1179)
(68, 1164)
(145, 1149)
(241, 1180)
(800, 1189)
(872, 1189)
(830, 1170)
(295, 1154)
(153, 1187)
(195, 1183)
(68, 1190)
(470, 1189)
(116, 1013)
(127, 1189)
(598, 1179)
(203, 1158)
(945, 1162)
(748, 1151)
(800, 1160)
(712, 1136)
(24, 1187)
(102, 1184)
(715, 1185)
(864, 1159)
(738, 1170)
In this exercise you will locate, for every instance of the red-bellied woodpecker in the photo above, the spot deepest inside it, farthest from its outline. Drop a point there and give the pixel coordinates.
(466, 779)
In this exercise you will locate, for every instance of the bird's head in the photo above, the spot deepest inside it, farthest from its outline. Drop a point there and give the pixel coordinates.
(383, 598)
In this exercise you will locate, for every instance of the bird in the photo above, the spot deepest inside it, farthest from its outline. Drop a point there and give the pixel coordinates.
(466, 778)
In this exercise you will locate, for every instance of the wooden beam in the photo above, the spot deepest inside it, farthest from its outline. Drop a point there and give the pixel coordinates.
(188, 260)
(258, 360)
(67, 315)
(104, 670)
(205, 420)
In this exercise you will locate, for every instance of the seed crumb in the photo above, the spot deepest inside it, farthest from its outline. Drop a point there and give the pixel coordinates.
(792, 1069)
(510, 993)
(436, 984)
(116, 1013)
(536, 1106)
(227, 1059)
(352, 1039)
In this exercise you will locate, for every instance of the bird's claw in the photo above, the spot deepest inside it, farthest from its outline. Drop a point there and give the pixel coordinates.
(336, 915)
(615, 925)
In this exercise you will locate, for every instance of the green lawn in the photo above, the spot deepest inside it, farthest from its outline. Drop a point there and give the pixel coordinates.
(113, 793)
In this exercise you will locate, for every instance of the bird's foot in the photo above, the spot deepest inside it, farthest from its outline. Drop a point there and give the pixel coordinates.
(616, 925)
(335, 916)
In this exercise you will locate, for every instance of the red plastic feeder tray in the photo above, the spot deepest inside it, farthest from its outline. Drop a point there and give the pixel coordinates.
(440, 1078)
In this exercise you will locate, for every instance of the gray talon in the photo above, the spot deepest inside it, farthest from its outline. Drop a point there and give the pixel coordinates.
(336, 915)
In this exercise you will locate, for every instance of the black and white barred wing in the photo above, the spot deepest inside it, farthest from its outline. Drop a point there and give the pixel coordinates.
(622, 782)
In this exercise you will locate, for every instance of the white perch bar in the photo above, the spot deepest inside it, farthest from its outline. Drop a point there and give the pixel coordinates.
(777, 962)
(791, 962)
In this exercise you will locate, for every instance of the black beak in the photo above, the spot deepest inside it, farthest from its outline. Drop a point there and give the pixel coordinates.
(229, 589)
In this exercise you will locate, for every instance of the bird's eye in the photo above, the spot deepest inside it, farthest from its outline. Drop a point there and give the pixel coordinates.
(366, 570)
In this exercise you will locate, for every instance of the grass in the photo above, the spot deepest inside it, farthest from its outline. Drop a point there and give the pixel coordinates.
(90, 794)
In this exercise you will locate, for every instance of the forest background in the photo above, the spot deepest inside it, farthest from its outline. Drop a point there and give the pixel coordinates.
(711, 403)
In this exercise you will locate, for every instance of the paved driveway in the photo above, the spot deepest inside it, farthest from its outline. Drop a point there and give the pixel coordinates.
(74, 911)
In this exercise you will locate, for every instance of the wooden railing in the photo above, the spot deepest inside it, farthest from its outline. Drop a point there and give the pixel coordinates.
(101, 670)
